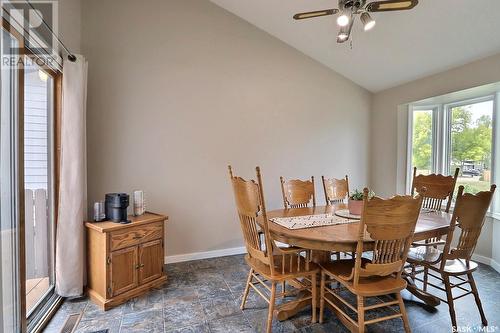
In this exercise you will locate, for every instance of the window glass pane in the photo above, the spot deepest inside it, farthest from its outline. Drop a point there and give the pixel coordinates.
(38, 87)
(9, 227)
(471, 143)
(422, 141)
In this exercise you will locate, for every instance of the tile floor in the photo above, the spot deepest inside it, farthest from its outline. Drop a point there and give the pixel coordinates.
(204, 296)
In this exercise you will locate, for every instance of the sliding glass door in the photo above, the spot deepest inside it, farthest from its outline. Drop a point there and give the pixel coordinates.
(27, 159)
(11, 316)
(38, 180)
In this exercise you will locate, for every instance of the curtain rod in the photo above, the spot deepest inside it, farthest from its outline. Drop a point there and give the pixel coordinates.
(71, 56)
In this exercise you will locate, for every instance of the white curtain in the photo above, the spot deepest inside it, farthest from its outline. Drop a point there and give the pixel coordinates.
(70, 259)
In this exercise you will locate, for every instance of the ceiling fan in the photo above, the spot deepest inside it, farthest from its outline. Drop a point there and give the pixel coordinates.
(348, 10)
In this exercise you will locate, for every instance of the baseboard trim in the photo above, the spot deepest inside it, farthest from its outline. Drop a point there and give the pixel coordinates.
(205, 255)
(495, 265)
(481, 259)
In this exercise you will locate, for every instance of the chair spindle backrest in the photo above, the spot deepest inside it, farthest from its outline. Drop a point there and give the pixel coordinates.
(468, 215)
(438, 188)
(298, 193)
(250, 205)
(390, 223)
(336, 190)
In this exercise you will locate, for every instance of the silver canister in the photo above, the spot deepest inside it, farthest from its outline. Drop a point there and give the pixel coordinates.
(99, 211)
(139, 203)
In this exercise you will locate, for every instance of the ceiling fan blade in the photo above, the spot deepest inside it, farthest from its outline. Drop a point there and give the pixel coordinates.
(391, 5)
(301, 16)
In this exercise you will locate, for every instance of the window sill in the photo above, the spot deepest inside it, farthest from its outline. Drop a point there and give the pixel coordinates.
(494, 216)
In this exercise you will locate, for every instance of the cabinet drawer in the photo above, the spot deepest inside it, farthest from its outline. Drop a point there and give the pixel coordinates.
(136, 235)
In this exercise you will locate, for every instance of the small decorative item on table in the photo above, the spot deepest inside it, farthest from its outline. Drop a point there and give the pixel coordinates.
(355, 203)
(345, 214)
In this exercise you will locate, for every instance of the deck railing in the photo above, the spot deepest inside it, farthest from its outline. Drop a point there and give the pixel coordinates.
(37, 234)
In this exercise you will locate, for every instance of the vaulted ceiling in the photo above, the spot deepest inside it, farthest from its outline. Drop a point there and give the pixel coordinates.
(434, 36)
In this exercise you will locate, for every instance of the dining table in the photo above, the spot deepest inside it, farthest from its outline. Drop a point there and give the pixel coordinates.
(323, 240)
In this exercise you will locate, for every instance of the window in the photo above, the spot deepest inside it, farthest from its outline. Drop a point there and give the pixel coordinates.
(470, 144)
(10, 241)
(421, 154)
(460, 135)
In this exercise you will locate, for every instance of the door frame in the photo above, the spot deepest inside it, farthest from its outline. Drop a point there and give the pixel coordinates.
(56, 75)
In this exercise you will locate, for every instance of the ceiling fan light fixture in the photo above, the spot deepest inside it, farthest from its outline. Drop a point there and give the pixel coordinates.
(343, 19)
(343, 34)
(368, 21)
(342, 37)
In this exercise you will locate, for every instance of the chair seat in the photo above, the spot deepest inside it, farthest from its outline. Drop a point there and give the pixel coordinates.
(430, 256)
(291, 271)
(458, 267)
(420, 254)
(367, 286)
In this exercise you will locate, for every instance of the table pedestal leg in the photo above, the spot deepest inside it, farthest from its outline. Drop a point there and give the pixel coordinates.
(420, 294)
(286, 311)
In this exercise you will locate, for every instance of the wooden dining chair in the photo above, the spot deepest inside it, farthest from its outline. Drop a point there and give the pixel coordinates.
(298, 193)
(454, 262)
(438, 189)
(385, 232)
(336, 190)
(270, 264)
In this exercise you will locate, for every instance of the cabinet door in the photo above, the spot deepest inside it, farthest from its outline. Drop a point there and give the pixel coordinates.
(150, 261)
(123, 270)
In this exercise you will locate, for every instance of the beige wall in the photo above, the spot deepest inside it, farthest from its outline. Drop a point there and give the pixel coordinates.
(70, 20)
(180, 88)
(384, 124)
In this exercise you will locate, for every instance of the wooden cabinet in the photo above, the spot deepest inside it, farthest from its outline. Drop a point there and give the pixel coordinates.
(151, 262)
(123, 270)
(125, 260)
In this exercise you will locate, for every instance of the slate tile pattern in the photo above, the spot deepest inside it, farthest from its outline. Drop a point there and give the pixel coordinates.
(203, 296)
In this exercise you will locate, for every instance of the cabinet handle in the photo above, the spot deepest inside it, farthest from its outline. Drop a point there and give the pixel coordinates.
(142, 265)
(136, 266)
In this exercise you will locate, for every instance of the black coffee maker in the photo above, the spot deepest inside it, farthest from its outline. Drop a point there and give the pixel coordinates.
(116, 207)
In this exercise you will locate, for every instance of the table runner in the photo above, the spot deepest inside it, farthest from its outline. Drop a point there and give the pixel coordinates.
(310, 221)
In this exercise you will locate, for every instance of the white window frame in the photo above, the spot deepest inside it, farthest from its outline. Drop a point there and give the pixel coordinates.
(409, 157)
(441, 137)
(447, 130)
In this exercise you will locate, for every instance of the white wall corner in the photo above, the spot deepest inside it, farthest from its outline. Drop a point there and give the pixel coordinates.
(495, 247)
(495, 265)
(482, 259)
(402, 149)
